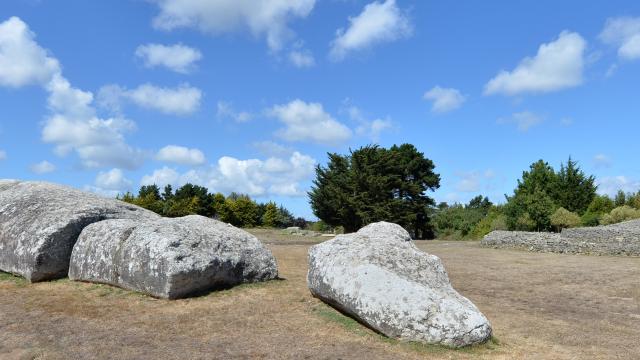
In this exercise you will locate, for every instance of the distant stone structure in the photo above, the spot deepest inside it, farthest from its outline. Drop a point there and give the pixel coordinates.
(616, 239)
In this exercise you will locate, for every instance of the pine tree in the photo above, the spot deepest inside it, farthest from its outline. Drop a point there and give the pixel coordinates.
(270, 217)
(373, 184)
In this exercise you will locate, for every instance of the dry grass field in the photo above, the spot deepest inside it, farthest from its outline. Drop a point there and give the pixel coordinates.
(542, 306)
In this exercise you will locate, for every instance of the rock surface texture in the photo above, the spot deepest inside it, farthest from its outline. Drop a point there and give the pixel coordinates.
(381, 278)
(170, 258)
(616, 239)
(40, 222)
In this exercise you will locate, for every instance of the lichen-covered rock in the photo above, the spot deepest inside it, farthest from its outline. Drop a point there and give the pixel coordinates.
(40, 222)
(170, 258)
(381, 278)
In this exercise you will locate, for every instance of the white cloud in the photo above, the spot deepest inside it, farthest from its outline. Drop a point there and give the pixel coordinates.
(97, 142)
(22, 61)
(557, 65)
(3, 155)
(611, 184)
(182, 100)
(273, 176)
(42, 167)
(309, 122)
(161, 177)
(181, 155)
(378, 22)
(624, 33)
(369, 128)
(113, 179)
(110, 183)
(475, 181)
(444, 99)
(602, 161)
(524, 120)
(301, 58)
(265, 18)
(178, 57)
(73, 125)
(226, 111)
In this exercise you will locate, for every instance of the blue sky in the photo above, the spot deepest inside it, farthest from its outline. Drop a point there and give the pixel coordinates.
(248, 96)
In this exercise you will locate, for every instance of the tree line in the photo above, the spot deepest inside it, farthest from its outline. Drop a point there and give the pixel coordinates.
(372, 184)
(236, 209)
(544, 200)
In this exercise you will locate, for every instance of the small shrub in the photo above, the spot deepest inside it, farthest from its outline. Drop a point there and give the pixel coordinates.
(525, 223)
(499, 223)
(563, 218)
(620, 214)
(590, 219)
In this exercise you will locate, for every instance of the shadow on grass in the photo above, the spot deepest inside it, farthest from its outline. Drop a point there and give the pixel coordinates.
(103, 290)
(352, 325)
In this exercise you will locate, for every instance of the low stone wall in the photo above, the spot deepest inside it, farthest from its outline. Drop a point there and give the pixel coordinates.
(618, 239)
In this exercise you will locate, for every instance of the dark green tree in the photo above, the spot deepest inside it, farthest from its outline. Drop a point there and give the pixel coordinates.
(149, 191)
(373, 184)
(574, 190)
(620, 199)
(167, 194)
(205, 200)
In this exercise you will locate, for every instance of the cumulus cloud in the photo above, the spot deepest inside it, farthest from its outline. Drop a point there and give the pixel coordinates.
(377, 23)
(226, 111)
(264, 19)
(73, 124)
(302, 58)
(624, 33)
(444, 99)
(22, 61)
(369, 128)
(179, 58)
(110, 183)
(309, 122)
(181, 155)
(610, 185)
(42, 167)
(182, 100)
(524, 120)
(602, 161)
(161, 177)
(256, 177)
(113, 179)
(557, 65)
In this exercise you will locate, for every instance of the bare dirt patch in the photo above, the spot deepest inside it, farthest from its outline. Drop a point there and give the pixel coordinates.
(542, 306)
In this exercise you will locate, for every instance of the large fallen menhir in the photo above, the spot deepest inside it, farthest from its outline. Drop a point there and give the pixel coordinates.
(45, 227)
(40, 222)
(170, 258)
(381, 278)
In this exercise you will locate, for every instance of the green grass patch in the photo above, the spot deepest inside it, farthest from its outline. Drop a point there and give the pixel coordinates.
(348, 323)
(16, 280)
